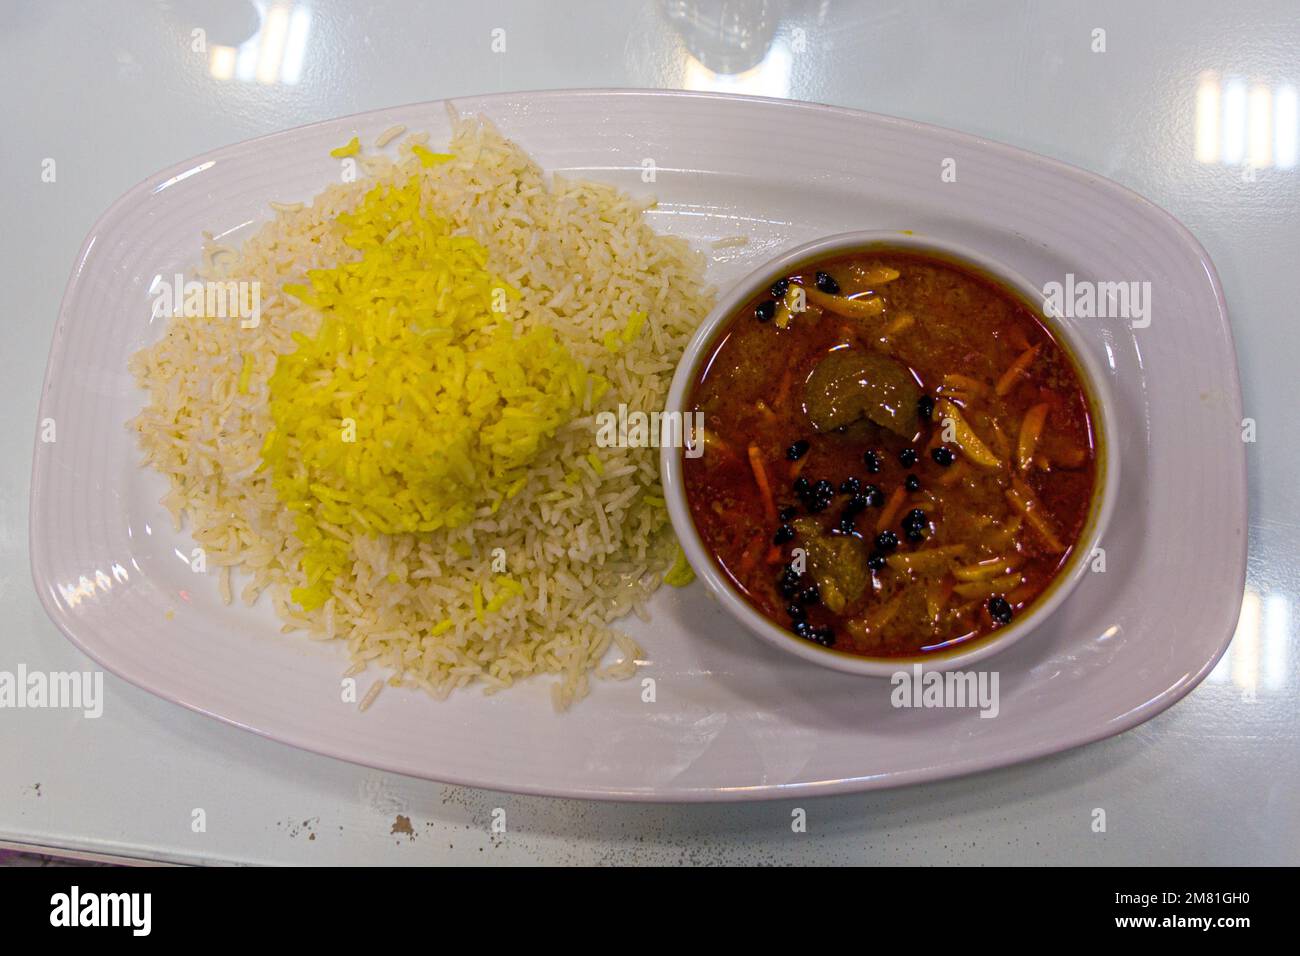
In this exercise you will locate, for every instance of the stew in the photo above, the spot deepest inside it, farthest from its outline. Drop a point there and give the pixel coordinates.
(898, 456)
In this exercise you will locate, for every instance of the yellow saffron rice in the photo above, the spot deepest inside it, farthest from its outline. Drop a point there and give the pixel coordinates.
(415, 401)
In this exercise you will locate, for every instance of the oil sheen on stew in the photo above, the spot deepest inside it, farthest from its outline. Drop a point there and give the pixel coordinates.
(897, 454)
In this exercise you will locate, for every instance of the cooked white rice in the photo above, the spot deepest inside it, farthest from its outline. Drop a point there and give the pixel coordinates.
(586, 552)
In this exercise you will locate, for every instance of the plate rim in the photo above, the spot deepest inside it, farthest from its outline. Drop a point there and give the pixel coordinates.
(39, 555)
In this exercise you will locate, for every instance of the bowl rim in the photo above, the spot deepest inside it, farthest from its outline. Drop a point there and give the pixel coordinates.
(1102, 414)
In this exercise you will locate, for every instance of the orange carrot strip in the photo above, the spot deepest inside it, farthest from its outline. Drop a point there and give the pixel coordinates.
(849, 308)
(1021, 594)
(1023, 499)
(1017, 368)
(760, 477)
(893, 508)
(1031, 427)
(1070, 457)
(963, 383)
(971, 444)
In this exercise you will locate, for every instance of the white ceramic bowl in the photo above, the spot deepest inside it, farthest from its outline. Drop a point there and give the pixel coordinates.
(1101, 408)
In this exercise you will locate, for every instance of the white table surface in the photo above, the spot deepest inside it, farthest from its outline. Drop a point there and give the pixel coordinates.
(113, 91)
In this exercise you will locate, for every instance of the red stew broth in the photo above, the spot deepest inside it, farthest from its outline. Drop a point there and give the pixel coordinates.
(993, 536)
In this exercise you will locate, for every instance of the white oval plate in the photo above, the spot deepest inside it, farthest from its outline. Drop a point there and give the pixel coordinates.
(730, 718)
